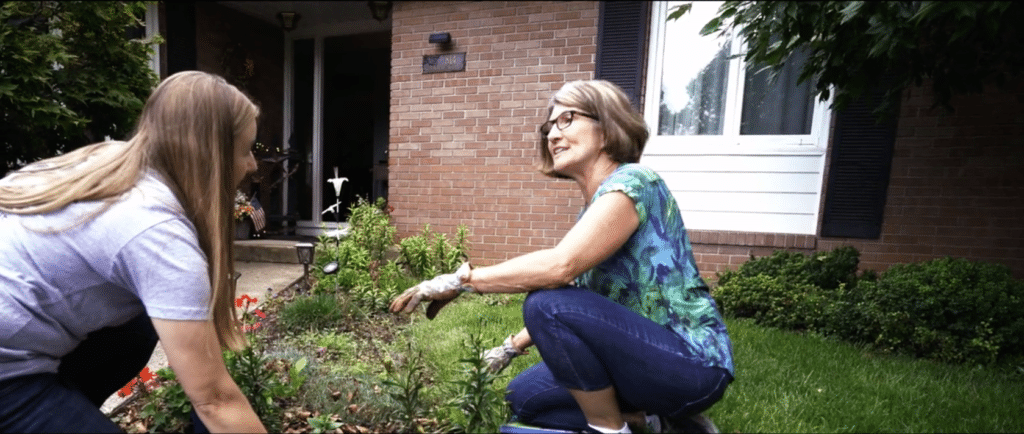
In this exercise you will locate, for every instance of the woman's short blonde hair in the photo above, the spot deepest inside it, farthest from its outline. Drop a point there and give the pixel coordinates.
(625, 132)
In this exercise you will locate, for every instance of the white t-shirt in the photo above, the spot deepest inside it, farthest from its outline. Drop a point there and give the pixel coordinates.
(141, 254)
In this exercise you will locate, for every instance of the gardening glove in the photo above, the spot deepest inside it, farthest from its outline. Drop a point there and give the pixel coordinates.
(498, 358)
(439, 290)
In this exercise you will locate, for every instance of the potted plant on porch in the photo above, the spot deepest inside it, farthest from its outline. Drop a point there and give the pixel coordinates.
(243, 216)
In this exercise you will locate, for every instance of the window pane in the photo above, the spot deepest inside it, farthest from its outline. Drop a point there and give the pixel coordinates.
(694, 75)
(779, 107)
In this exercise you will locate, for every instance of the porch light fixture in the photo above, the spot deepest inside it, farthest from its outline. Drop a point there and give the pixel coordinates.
(379, 9)
(440, 38)
(288, 20)
(305, 253)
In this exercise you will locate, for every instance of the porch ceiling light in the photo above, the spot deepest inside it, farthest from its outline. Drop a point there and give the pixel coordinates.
(379, 9)
(288, 20)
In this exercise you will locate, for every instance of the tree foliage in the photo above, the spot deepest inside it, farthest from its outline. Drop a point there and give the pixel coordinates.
(854, 45)
(71, 73)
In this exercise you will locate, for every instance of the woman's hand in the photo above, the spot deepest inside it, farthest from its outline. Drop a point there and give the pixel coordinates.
(194, 354)
(439, 290)
(498, 358)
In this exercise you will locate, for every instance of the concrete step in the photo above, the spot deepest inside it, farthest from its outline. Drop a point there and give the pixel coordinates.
(268, 250)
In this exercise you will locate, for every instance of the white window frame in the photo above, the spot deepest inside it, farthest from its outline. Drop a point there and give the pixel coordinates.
(152, 28)
(730, 142)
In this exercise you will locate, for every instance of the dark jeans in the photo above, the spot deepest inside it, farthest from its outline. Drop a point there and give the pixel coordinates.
(69, 400)
(589, 342)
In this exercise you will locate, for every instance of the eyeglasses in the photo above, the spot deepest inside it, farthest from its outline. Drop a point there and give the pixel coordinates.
(563, 121)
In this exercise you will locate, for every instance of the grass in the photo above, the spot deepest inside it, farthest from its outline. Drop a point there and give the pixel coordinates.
(786, 382)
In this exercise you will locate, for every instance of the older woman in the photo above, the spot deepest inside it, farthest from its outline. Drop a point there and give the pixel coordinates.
(639, 338)
(111, 246)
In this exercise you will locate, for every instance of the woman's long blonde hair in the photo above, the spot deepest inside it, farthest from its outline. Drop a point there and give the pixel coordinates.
(187, 134)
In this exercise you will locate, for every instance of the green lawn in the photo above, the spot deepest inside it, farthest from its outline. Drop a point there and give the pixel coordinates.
(786, 382)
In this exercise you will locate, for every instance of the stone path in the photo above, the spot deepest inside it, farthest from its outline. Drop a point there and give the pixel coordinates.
(255, 279)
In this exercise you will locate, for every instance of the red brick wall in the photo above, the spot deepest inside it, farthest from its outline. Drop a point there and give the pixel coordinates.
(957, 183)
(463, 144)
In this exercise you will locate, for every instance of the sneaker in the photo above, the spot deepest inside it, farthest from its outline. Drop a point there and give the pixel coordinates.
(698, 423)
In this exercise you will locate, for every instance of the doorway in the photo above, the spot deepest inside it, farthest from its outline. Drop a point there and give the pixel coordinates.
(341, 97)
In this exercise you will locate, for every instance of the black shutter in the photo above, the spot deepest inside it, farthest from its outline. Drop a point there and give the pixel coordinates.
(181, 36)
(859, 169)
(622, 45)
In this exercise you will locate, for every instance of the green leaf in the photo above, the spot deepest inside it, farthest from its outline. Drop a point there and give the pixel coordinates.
(678, 11)
(850, 11)
(712, 26)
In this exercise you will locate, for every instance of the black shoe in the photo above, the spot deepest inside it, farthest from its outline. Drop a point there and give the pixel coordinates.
(698, 423)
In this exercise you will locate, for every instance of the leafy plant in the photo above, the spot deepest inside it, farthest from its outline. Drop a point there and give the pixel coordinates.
(260, 381)
(405, 385)
(948, 309)
(364, 272)
(323, 423)
(370, 228)
(480, 403)
(429, 254)
(167, 408)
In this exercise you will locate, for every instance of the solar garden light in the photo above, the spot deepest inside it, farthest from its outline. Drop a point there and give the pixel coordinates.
(305, 252)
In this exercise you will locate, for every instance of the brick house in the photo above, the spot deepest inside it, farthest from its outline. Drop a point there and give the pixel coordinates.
(755, 168)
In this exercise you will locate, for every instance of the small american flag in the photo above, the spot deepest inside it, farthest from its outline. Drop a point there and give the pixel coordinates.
(259, 217)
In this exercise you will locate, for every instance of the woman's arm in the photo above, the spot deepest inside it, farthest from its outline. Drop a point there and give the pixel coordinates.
(602, 230)
(195, 356)
(522, 340)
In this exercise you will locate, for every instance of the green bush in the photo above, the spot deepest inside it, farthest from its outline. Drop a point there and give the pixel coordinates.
(947, 309)
(951, 310)
(775, 301)
(827, 270)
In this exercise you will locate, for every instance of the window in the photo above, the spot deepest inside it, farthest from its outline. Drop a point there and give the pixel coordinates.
(702, 95)
(738, 151)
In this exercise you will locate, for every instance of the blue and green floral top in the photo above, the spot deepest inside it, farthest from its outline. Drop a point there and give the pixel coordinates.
(655, 274)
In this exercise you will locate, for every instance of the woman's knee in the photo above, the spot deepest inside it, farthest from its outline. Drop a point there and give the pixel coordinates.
(542, 303)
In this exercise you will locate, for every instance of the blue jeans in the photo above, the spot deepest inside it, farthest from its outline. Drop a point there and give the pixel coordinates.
(589, 342)
(69, 400)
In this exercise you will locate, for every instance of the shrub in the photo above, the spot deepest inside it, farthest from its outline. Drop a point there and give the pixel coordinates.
(948, 309)
(787, 289)
(827, 270)
(775, 301)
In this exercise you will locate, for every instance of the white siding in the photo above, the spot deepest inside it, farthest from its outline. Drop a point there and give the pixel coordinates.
(749, 193)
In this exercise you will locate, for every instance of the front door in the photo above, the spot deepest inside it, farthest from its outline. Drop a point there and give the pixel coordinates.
(339, 124)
